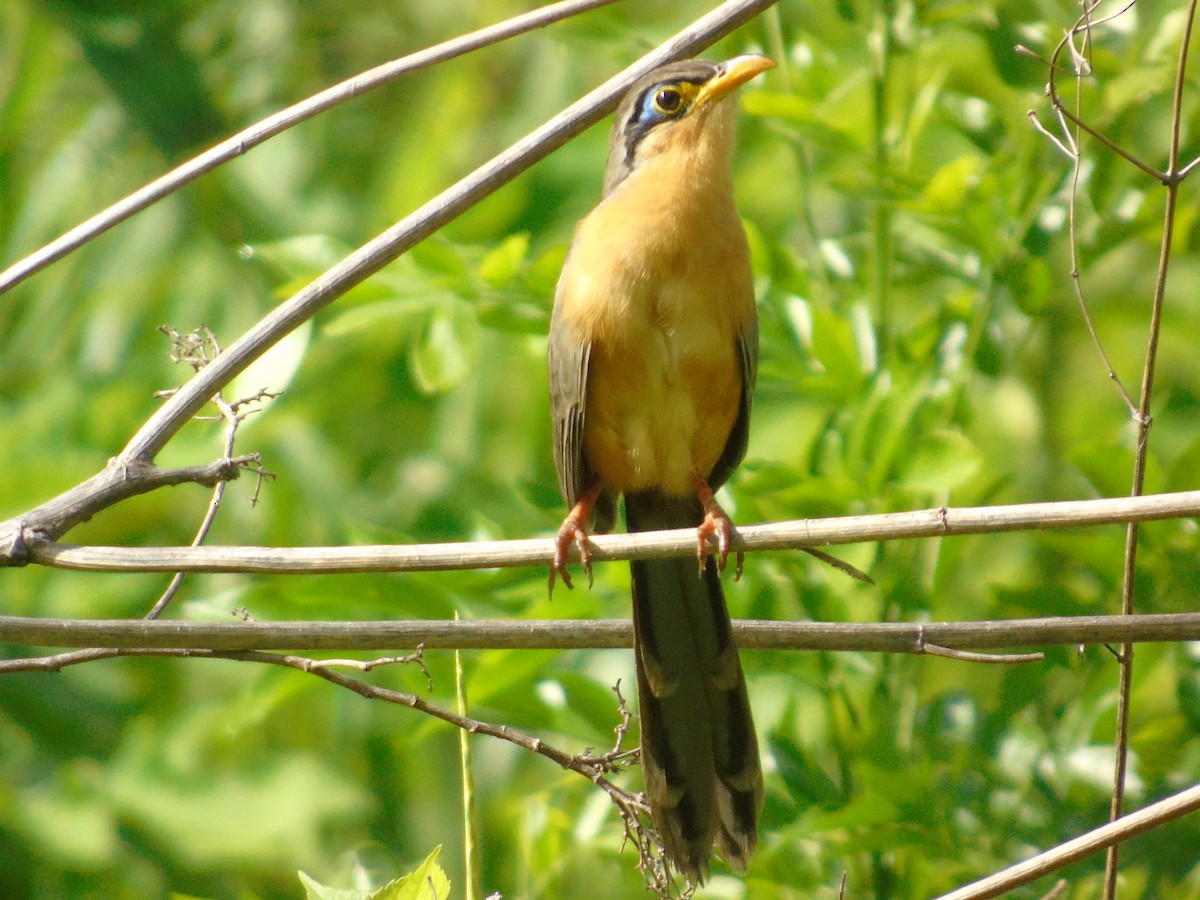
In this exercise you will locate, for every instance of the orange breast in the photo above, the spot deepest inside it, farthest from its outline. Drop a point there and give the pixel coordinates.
(662, 296)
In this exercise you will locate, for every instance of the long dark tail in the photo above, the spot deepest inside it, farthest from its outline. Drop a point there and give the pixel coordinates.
(699, 750)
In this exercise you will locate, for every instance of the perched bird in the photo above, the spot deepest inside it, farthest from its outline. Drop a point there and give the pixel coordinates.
(653, 352)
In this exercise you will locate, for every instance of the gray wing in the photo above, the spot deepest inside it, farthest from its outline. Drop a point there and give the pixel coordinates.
(739, 436)
(567, 357)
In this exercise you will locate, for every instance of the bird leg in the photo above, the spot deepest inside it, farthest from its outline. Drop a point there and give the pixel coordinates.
(574, 531)
(716, 522)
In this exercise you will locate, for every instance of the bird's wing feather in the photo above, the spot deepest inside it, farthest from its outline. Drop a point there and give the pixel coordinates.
(739, 435)
(568, 356)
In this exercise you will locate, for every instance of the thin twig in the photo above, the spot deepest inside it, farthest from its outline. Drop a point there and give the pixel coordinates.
(840, 564)
(1083, 26)
(1069, 145)
(1141, 452)
(198, 349)
(972, 656)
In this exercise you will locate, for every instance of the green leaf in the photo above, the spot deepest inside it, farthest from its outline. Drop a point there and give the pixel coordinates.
(500, 267)
(388, 315)
(949, 187)
(446, 349)
(275, 369)
(804, 777)
(944, 460)
(428, 881)
(302, 255)
(774, 105)
(314, 890)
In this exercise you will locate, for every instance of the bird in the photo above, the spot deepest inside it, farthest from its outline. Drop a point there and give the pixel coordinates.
(652, 356)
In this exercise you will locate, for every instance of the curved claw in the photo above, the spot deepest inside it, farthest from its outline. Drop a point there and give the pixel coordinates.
(574, 531)
(571, 532)
(716, 522)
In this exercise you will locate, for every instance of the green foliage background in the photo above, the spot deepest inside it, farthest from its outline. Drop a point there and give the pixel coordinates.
(921, 346)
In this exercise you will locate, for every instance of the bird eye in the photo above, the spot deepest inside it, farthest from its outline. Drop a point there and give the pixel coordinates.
(668, 101)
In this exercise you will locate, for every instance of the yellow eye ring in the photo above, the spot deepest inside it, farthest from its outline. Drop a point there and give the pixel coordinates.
(668, 101)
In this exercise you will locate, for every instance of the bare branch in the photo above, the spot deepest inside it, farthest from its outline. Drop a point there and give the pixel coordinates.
(791, 535)
(195, 350)
(1080, 68)
(146, 637)
(1106, 836)
(119, 480)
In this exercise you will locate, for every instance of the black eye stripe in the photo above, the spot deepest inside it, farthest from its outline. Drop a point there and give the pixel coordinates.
(636, 126)
(636, 112)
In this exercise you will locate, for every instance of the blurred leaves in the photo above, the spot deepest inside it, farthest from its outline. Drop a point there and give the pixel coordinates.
(921, 346)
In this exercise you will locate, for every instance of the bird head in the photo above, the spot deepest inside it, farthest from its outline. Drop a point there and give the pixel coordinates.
(672, 108)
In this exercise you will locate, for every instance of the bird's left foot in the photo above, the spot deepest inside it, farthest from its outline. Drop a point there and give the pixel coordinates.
(716, 523)
(571, 532)
(574, 531)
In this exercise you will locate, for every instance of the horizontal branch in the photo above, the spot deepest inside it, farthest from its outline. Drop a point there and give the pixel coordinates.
(885, 637)
(646, 545)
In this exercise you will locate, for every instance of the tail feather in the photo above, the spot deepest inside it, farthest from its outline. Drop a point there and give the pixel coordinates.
(699, 750)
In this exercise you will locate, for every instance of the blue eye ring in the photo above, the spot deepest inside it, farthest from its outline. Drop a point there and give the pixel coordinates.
(660, 103)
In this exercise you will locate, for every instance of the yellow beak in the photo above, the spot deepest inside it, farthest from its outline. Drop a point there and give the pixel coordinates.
(731, 74)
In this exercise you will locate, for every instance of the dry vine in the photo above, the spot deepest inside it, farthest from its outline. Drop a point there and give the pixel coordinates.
(1076, 47)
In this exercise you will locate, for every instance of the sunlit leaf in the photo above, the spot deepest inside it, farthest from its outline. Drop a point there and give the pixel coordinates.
(944, 460)
(445, 351)
(500, 267)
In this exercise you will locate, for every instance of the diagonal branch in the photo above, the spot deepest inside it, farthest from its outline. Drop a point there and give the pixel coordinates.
(251, 137)
(1078, 848)
(118, 481)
